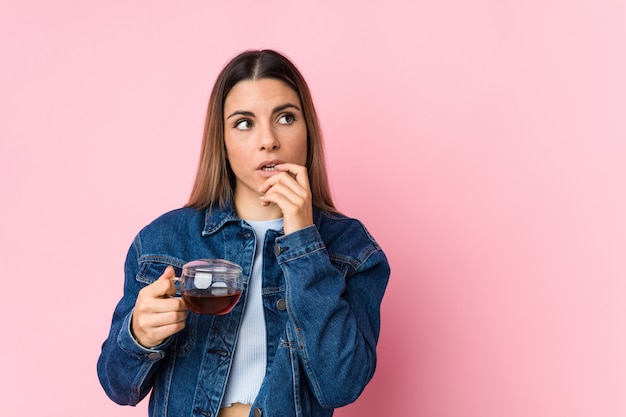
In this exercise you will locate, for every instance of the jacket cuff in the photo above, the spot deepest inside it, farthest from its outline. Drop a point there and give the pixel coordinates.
(298, 243)
(127, 342)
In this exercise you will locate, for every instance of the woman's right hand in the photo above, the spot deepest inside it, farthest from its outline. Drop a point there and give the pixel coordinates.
(158, 315)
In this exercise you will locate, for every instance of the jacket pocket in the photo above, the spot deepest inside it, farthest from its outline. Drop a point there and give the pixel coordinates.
(150, 269)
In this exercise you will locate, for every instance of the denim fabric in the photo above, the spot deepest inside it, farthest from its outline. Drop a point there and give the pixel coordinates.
(322, 289)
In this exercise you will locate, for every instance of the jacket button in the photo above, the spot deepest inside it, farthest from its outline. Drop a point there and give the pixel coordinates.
(154, 356)
(276, 250)
(281, 304)
(258, 412)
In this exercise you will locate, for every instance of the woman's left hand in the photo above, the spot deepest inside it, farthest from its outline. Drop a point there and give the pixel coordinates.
(291, 192)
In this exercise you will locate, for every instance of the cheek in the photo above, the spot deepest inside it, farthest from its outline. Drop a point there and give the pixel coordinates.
(233, 153)
(232, 145)
(304, 152)
(302, 142)
(304, 146)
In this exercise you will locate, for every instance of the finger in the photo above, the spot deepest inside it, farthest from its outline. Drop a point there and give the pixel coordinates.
(166, 318)
(152, 329)
(159, 312)
(286, 194)
(159, 334)
(164, 305)
(163, 286)
(285, 183)
(293, 171)
(287, 207)
(168, 273)
(170, 276)
(285, 190)
(297, 210)
(158, 305)
(299, 172)
(149, 322)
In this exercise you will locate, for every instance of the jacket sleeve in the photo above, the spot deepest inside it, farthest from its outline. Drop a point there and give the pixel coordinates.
(334, 315)
(125, 368)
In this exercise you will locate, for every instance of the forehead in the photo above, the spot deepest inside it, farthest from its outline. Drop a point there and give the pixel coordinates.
(265, 92)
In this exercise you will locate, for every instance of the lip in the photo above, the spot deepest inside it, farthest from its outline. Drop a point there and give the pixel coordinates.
(267, 174)
(272, 162)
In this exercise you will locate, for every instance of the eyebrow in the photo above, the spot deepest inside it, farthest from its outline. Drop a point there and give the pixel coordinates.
(274, 111)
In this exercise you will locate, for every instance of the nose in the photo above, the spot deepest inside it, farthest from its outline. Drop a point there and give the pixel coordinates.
(268, 140)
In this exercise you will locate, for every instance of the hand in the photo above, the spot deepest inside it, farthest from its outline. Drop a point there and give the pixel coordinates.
(291, 192)
(157, 314)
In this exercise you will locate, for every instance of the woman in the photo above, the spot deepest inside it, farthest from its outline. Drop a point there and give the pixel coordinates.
(302, 339)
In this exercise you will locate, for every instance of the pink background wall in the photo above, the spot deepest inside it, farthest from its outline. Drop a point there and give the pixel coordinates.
(483, 143)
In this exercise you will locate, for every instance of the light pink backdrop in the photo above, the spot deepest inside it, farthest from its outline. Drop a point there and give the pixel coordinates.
(483, 143)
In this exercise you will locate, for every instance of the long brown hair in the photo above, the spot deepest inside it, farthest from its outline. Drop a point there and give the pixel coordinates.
(215, 180)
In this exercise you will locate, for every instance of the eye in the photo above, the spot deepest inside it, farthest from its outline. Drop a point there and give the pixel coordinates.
(287, 119)
(243, 124)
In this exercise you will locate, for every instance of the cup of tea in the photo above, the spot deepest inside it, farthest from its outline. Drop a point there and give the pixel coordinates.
(211, 286)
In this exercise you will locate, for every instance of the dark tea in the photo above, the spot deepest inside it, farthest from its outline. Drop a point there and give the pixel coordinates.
(211, 286)
(205, 302)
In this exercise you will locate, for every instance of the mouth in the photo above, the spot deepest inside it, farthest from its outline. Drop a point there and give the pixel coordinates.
(269, 165)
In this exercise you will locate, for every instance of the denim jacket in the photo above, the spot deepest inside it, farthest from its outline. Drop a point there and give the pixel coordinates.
(322, 287)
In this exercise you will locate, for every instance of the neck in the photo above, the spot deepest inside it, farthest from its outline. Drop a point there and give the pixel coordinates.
(253, 210)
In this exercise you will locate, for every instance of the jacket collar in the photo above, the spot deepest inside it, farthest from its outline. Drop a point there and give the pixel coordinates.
(216, 217)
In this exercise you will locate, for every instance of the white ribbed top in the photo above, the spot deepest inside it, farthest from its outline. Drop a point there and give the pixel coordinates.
(250, 357)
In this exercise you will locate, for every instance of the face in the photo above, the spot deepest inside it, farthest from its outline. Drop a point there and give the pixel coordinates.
(263, 126)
